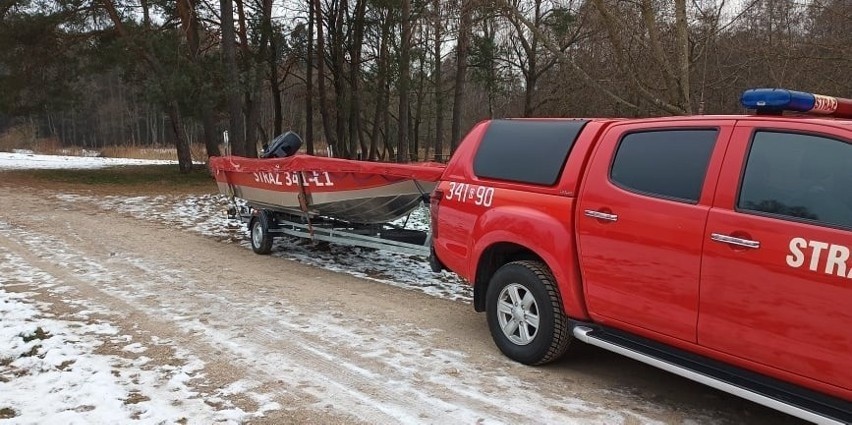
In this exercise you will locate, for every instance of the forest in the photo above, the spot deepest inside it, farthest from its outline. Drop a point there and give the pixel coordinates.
(390, 80)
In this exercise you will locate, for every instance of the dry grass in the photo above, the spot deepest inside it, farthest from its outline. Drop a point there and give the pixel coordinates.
(8, 413)
(160, 153)
(198, 151)
(18, 137)
(127, 180)
(24, 137)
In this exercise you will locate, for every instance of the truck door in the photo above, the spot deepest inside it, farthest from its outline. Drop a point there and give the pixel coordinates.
(776, 284)
(642, 210)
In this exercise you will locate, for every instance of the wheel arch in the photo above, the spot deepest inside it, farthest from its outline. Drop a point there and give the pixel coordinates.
(491, 259)
(532, 235)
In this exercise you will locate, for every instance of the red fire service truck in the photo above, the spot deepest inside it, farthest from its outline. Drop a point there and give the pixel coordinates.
(714, 247)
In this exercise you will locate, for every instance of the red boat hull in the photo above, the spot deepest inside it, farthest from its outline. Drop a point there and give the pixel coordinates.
(348, 190)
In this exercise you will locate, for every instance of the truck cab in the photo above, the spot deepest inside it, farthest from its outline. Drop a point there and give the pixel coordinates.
(715, 247)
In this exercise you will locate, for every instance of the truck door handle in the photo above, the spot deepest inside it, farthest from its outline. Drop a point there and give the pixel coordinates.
(601, 215)
(731, 240)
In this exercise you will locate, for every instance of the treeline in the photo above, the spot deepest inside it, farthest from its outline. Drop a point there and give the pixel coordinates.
(393, 79)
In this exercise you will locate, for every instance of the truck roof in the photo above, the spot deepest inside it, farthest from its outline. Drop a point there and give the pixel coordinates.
(829, 121)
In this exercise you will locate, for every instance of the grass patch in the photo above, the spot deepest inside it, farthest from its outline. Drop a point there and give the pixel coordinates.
(39, 334)
(33, 351)
(135, 398)
(146, 179)
(198, 151)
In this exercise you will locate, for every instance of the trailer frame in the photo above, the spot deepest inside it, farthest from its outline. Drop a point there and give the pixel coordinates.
(265, 224)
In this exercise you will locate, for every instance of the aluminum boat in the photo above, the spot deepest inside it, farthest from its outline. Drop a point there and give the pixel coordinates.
(349, 190)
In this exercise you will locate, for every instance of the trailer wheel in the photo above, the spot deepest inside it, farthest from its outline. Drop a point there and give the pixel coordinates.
(261, 240)
(525, 313)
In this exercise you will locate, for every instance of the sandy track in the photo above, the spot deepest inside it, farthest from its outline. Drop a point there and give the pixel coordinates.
(327, 347)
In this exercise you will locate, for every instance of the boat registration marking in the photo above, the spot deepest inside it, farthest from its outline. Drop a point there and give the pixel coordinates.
(309, 178)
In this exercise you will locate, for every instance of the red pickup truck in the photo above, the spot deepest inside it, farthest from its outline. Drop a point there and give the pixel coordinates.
(714, 247)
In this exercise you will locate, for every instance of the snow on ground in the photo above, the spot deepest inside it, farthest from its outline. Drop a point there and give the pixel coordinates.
(50, 369)
(88, 391)
(206, 214)
(22, 159)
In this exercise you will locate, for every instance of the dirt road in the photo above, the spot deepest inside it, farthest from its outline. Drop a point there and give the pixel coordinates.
(326, 347)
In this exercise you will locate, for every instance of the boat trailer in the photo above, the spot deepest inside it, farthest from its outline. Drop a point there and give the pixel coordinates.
(264, 225)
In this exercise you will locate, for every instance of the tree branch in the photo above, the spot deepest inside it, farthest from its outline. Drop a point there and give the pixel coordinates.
(550, 45)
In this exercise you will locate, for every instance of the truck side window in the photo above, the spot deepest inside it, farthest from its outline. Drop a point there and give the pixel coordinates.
(526, 151)
(801, 176)
(668, 164)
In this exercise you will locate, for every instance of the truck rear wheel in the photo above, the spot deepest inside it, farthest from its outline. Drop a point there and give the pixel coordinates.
(525, 313)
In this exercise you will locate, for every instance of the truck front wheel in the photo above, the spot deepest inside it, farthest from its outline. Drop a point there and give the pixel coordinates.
(525, 313)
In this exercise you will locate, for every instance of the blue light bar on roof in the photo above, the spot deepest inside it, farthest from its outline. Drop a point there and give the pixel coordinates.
(767, 100)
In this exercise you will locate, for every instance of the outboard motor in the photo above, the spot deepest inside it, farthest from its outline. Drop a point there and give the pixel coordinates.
(284, 145)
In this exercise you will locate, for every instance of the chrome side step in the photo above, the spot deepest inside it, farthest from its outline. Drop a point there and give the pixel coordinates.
(801, 403)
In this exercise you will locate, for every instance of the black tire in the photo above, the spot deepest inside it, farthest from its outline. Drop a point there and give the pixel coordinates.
(540, 344)
(261, 240)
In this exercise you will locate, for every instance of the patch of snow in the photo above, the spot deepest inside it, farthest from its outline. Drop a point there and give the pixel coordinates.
(50, 371)
(135, 348)
(390, 375)
(84, 152)
(206, 215)
(19, 160)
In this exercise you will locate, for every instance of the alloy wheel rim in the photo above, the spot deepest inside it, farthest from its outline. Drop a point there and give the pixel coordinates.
(518, 314)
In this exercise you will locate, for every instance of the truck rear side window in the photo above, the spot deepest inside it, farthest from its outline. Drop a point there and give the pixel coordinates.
(800, 176)
(526, 151)
(669, 164)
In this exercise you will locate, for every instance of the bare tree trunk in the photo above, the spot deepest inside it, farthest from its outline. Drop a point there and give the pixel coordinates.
(387, 152)
(682, 36)
(439, 84)
(338, 43)
(236, 135)
(532, 66)
(146, 14)
(356, 147)
(181, 143)
(323, 95)
(252, 114)
(380, 114)
(272, 61)
(191, 25)
(309, 84)
(252, 87)
(211, 136)
(418, 109)
(404, 77)
(489, 62)
(461, 72)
